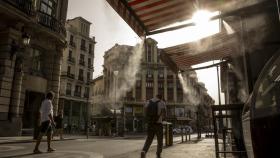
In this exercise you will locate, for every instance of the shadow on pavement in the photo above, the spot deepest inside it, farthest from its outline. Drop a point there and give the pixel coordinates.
(21, 155)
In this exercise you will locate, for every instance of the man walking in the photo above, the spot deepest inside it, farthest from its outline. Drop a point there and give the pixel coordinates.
(47, 122)
(155, 111)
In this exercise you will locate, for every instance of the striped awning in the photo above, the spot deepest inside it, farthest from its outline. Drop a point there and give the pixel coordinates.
(216, 47)
(146, 16)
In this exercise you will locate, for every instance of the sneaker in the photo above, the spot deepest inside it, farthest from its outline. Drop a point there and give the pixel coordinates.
(143, 154)
(51, 150)
(37, 151)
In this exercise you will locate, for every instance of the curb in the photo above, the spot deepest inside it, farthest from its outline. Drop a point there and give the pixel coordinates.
(31, 141)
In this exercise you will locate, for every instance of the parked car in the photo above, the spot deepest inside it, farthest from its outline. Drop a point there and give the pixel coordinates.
(261, 113)
(184, 128)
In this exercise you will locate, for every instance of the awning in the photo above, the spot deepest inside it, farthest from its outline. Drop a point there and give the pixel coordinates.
(216, 47)
(147, 17)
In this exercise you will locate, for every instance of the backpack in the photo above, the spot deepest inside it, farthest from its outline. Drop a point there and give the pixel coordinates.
(152, 112)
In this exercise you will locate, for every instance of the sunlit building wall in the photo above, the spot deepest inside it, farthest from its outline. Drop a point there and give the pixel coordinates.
(153, 78)
(76, 73)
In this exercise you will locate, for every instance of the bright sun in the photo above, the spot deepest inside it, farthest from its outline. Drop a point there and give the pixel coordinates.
(203, 27)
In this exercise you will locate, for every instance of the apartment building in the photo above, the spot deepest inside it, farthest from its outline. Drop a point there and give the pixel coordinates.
(76, 73)
(153, 77)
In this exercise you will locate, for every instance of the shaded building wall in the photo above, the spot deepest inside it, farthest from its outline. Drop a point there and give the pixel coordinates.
(28, 69)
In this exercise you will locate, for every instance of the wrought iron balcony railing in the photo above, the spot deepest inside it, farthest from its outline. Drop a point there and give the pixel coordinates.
(77, 94)
(51, 23)
(82, 62)
(23, 5)
(27, 6)
(70, 75)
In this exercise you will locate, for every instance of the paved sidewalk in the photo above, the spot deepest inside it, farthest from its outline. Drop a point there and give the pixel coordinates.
(204, 148)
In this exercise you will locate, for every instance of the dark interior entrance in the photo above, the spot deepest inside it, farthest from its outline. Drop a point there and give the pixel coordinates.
(31, 108)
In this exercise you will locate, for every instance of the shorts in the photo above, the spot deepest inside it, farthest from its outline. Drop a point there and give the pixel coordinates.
(46, 127)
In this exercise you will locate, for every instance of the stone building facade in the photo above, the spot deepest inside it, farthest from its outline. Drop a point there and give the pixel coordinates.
(29, 70)
(153, 77)
(76, 73)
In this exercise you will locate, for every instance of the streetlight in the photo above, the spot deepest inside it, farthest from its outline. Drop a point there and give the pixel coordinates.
(116, 72)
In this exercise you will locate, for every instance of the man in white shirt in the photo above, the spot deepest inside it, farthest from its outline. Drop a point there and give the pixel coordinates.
(47, 122)
(155, 127)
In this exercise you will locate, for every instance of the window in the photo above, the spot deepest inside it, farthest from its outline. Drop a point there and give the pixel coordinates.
(158, 57)
(88, 76)
(48, 7)
(83, 44)
(89, 62)
(179, 112)
(160, 73)
(69, 70)
(71, 38)
(81, 74)
(149, 73)
(170, 85)
(82, 59)
(68, 89)
(149, 84)
(149, 53)
(138, 83)
(86, 94)
(78, 91)
(89, 48)
(36, 61)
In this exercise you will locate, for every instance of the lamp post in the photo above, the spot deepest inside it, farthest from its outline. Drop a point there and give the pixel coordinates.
(116, 72)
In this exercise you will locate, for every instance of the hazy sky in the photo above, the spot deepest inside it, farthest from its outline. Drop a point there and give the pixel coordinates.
(109, 28)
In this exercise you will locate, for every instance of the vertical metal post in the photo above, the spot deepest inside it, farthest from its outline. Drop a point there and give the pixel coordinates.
(215, 134)
(124, 120)
(219, 95)
(218, 78)
(87, 124)
(115, 111)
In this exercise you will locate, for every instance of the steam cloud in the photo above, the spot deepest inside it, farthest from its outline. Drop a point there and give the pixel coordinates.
(189, 90)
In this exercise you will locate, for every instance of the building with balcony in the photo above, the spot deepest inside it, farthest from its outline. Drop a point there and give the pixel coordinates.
(32, 39)
(153, 77)
(77, 69)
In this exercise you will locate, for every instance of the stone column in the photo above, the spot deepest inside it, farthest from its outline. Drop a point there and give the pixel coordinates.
(16, 89)
(8, 50)
(10, 83)
(54, 76)
(165, 83)
(143, 85)
(175, 87)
